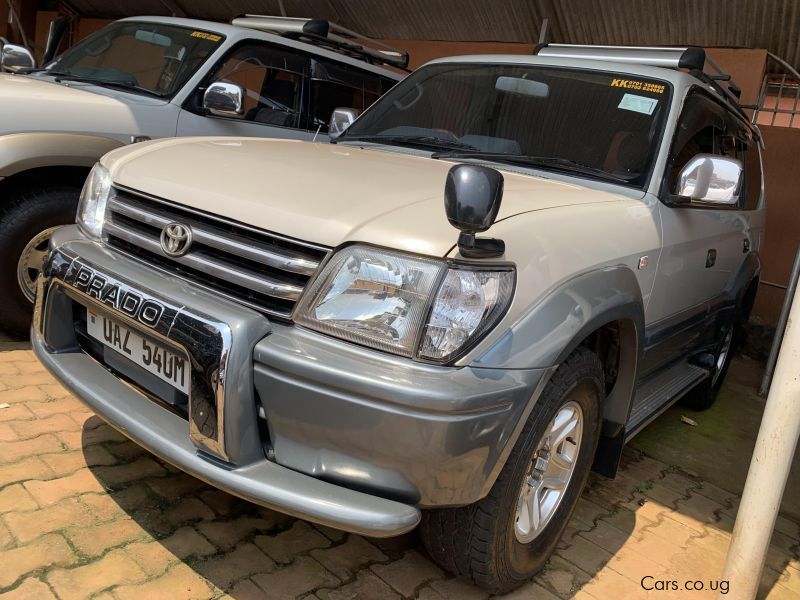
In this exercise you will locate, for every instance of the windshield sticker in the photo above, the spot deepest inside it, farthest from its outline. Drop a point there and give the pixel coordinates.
(640, 104)
(206, 36)
(645, 86)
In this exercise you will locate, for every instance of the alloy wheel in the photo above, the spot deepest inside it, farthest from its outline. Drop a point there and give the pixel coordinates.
(549, 472)
(30, 262)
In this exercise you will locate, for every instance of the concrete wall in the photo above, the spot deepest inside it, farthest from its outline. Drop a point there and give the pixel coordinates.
(783, 218)
(745, 66)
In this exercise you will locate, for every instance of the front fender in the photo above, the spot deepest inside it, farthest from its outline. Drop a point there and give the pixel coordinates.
(555, 326)
(21, 152)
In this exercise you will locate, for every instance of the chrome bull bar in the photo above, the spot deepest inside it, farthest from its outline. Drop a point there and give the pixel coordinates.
(207, 342)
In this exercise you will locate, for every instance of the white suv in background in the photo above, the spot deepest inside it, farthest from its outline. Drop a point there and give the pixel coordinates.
(153, 77)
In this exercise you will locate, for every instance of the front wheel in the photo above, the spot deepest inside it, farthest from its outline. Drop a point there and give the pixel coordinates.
(506, 538)
(27, 222)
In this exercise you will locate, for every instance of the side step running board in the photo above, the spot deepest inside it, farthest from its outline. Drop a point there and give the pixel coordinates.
(659, 392)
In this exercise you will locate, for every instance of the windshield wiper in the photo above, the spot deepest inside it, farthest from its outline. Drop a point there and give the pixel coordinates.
(418, 141)
(552, 162)
(122, 85)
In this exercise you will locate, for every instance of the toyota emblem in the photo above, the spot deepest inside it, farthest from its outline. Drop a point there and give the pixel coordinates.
(176, 239)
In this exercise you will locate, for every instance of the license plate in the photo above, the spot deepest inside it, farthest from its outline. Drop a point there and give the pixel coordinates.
(153, 358)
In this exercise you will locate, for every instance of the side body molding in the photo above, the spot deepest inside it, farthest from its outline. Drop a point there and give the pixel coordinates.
(24, 151)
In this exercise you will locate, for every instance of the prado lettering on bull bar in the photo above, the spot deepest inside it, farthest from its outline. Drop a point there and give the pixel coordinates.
(116, 295)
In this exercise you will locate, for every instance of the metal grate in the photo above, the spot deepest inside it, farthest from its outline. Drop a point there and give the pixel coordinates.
(264, 271)
(779, 100)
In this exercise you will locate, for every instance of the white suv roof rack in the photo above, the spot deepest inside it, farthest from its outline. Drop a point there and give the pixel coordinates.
(691, 58)
(654, 56)
(330, 35)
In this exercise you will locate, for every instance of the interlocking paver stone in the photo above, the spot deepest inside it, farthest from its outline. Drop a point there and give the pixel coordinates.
(113, 569)
(154, 557)
(16, 497)
(367, 585)
(46, 551)
(240, 563)
(179, 583)
(343, 560)
(86, 513)
(408, 573)
(30, 589)
(286, 545)
(303, 575)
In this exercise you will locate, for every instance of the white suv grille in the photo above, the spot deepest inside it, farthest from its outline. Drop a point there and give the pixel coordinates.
(262, 270)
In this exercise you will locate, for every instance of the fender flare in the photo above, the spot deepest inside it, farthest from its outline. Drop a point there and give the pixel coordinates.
(20, 152)
(555, 326)
(559, 323)
(749, 271)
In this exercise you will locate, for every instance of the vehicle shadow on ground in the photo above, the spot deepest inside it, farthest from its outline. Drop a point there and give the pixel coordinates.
(654, 520)
(233, 541)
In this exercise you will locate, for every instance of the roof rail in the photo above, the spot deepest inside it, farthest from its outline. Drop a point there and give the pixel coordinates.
(671, 58)
(691, 57)
(330, 35)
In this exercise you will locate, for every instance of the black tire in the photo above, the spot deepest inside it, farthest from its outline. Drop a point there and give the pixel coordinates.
(478, 542)
(703, 396)
(23, 216)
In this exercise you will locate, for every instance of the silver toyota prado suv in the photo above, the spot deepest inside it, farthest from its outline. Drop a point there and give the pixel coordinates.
(153, 77)
(494, 278)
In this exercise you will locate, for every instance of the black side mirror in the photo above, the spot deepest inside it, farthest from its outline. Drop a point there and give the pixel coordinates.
(472, 197)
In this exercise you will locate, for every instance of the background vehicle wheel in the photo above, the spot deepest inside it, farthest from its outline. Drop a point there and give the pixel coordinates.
(703, 396)
(504, 539)
(26, 223)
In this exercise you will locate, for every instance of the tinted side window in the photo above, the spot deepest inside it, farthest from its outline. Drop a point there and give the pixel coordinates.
(335, 85)
(272, 80)
(701, 130)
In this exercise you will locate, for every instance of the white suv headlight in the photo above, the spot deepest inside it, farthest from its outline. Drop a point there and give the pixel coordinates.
(404, 304)
(94, 197)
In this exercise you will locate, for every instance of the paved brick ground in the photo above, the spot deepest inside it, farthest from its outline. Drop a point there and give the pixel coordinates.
(85, 513)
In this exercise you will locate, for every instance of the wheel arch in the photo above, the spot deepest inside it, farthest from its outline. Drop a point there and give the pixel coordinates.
(42, 177)
(602, 309)
(22, 153)
(744, 286)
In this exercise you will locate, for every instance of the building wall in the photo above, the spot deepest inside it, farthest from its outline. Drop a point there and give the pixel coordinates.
(783, 219)
(3, 19)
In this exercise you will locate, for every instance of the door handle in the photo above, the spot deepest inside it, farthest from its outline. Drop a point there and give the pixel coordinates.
(746, 246)
(711, 258)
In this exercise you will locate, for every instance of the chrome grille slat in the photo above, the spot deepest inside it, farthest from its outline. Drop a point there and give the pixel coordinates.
(231, 243)
(263, 271)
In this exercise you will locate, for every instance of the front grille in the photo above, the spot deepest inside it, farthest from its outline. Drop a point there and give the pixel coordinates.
(259, 269)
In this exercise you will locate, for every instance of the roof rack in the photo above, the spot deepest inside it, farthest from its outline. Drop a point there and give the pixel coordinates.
(692, 58)
(329, 35)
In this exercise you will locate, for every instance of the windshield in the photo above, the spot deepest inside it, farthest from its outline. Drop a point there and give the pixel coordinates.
(597, 124)
(145, 57)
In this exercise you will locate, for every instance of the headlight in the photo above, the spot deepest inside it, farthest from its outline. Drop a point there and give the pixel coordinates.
(92, 206)
(468, 304)
(411, 306)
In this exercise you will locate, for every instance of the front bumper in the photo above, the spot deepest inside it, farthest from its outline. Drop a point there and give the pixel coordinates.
(356, 439)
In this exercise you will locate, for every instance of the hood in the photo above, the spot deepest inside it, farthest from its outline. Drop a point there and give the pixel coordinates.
(31, 104)
(322, 193)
